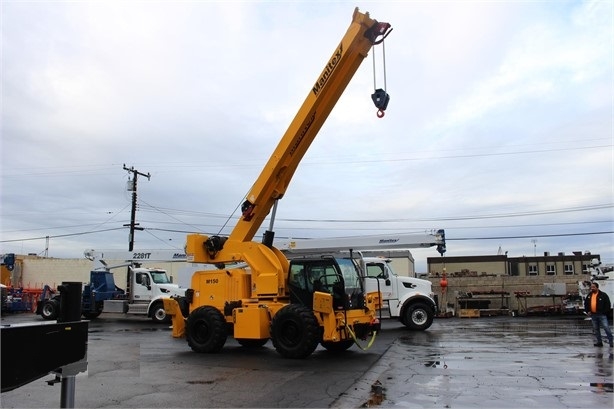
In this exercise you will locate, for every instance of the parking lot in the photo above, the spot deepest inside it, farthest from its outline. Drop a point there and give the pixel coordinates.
(503, 362)
(547, 362)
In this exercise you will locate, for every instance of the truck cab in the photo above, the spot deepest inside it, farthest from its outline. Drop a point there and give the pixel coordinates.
(150, 284)
(409, 299)
(144, 296)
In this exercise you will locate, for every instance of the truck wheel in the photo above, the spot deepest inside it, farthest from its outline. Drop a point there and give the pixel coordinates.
(295, 331)
(418, 316)
(91, 315)
(158, 313)
(206, 330)
(337, 346)
(252, 343)
(50, 309)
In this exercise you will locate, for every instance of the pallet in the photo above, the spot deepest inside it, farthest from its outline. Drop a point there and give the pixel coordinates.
(469, 313)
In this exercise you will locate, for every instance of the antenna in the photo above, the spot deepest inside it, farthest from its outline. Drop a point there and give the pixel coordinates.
(534, 241)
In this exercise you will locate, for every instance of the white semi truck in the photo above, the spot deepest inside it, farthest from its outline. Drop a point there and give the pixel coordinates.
(410, 300)
(145, 287)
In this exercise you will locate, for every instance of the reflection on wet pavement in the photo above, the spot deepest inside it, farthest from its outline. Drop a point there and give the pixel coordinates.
(497, 362)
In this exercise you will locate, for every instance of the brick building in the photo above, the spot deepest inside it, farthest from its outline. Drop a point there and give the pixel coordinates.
(561, 264)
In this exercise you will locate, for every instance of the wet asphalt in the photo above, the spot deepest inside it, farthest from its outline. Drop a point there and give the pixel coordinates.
(502, 362)
(489, 362)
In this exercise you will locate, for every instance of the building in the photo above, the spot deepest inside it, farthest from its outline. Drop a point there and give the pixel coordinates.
(547, 265)
(500, 284)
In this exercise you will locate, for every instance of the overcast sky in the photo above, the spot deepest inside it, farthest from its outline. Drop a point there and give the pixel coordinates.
(499, 128)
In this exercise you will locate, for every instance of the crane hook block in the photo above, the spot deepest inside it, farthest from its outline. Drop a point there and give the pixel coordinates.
(380, 99)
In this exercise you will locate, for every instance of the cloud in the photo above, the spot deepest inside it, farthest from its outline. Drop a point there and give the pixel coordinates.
(546, 58)
(496, 107)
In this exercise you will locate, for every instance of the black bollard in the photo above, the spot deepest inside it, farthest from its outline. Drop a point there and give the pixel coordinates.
(70, 301)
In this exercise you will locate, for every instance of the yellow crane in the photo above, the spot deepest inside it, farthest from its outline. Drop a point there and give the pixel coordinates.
(266, 299)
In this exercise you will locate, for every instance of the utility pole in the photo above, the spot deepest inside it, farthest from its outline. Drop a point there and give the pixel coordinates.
(133, 225)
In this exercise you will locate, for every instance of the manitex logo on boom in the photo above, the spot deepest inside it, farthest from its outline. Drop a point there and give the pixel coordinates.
(303, 132)
(388, 241)
(328, 71)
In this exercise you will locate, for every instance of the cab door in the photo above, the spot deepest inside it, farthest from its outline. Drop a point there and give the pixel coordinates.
(141, 286)
(379, 278)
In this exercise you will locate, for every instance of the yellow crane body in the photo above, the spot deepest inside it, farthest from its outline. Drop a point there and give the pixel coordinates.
(251, 287)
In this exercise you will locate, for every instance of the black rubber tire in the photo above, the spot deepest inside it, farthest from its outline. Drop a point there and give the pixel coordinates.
(295, 331)
(50, 309)
(91, 315)
(418, 316)
(206, 330)
(158, 314)
(340, 346)
(252, 343)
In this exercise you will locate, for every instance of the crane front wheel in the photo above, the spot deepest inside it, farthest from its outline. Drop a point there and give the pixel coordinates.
(295, 331)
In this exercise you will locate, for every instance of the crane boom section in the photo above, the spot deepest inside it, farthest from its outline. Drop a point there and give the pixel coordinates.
(330, 84)
(362, 243)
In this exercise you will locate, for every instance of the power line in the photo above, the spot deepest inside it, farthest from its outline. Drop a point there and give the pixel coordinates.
(94, 169)
(167, 212)
(61, 235)
(528, 237)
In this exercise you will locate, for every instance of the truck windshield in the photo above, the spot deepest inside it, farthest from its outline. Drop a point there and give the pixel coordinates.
(159, 277)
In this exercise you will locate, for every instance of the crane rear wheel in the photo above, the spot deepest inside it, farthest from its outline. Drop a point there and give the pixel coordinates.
(206, 330)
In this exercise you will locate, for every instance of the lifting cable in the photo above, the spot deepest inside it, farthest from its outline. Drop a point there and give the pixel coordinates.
(380, 97)
(356, 341)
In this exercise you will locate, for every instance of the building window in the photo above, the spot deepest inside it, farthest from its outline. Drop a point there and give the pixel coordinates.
(569, 269)
(550, 270)
(586, 268)
(533, 270)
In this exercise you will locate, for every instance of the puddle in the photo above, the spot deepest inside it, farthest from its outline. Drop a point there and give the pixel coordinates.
(435, 361)
(137, 330)
(376, 396)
